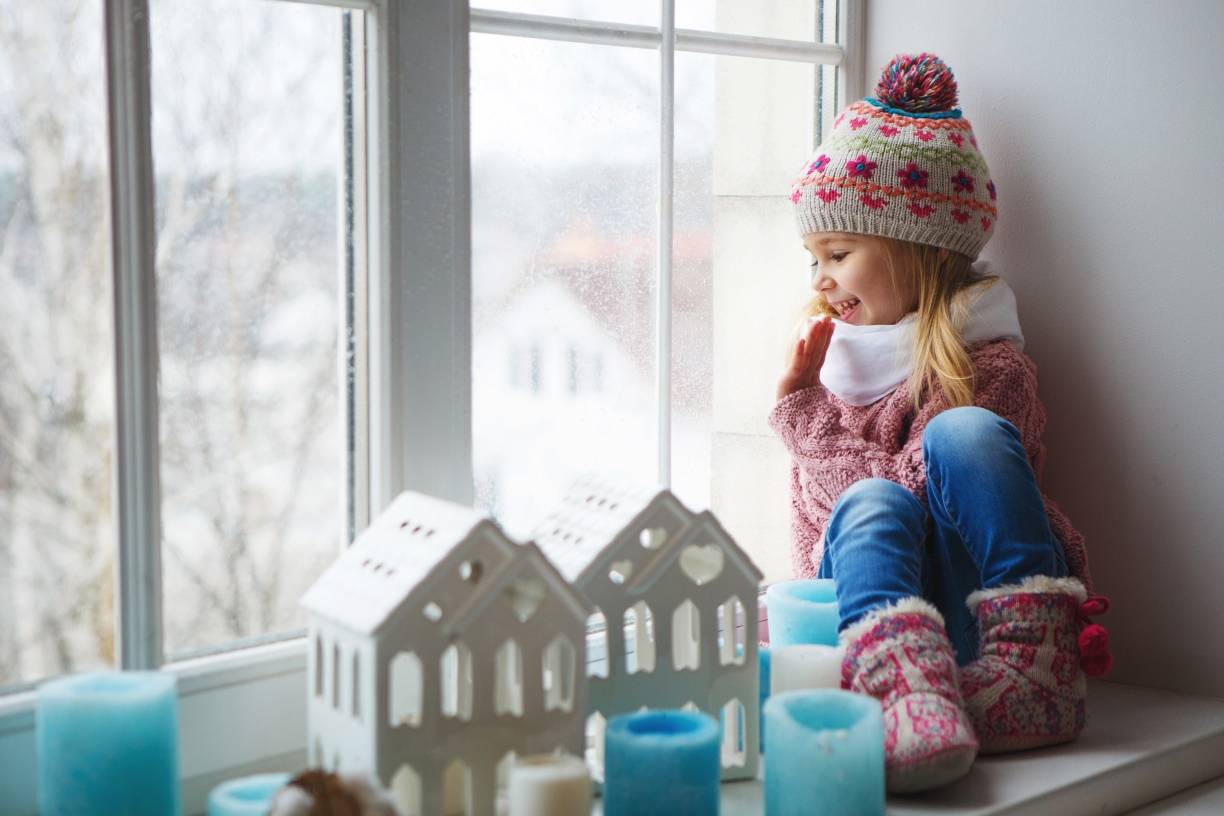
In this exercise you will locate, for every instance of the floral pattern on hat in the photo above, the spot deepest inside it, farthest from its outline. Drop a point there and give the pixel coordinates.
(912, 175)
(862, 167)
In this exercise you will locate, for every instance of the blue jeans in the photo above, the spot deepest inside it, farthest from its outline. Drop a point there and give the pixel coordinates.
(987, 527)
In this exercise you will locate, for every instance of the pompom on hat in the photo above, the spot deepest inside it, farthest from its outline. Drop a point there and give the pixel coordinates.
(903, 164)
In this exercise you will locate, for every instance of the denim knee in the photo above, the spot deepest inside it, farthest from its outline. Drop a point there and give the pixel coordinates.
(967, 425)
(867, 495)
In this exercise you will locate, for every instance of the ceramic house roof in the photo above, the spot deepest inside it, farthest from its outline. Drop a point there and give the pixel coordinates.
(391, 558)
(527, 557)
(589, 517)
(703, 530)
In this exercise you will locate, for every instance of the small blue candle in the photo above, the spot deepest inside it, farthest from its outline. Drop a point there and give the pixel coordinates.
(248, 796)
(826, 754)
(803, 611)
(662, 762)
(108, 744)
(763, 660)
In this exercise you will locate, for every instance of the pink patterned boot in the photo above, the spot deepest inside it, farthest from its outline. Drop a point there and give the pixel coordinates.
(1027, 688)
(901, 655)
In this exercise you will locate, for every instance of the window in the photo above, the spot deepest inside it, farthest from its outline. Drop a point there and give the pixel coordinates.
(250, 182)
(57, 407)
(252, 278)
(585, 231)
(222, 163)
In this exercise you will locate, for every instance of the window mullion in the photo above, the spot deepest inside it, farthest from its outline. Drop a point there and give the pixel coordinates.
(420, 253)
(136, 472)
(667, 120)
(851, 71)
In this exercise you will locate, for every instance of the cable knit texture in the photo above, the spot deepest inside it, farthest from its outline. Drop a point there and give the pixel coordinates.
(834, 444)
(1027, 689)
(901, 655)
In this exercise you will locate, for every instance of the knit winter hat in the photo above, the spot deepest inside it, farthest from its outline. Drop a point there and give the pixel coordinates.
(903, 164)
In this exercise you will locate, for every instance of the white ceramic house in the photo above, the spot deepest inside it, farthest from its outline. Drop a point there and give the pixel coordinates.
(678, 598)
(439, 648)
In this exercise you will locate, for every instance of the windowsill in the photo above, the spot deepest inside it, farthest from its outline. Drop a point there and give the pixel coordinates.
(244, 713)
(1140, 745)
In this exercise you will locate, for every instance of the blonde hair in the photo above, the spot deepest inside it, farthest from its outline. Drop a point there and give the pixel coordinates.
(942, 286)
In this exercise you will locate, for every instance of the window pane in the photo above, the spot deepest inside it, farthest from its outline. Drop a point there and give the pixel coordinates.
(564, 240)
(247, 136)
(736, 153)
(57, 393)
(781, 19)
(638, 12)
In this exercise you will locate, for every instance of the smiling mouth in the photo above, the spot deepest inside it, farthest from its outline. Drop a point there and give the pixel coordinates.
(853, 311)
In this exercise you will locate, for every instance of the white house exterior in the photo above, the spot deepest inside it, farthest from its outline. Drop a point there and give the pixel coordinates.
(679, 598)
(438, 648)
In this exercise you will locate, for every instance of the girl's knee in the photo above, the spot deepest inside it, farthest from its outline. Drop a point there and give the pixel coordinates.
(873, 492)
(968, 425)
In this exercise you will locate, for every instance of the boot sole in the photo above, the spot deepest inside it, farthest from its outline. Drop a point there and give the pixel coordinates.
(934, 772)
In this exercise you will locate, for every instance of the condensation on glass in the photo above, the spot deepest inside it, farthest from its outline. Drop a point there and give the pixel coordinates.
(57, 392)
(254, 250)
(565, 249)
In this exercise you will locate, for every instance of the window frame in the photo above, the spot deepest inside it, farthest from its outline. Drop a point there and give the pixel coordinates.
(417, 226)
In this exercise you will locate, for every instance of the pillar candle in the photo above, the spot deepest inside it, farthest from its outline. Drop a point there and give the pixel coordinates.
(826, 754)
(805, 666)
(763, 686)
(660, 763)
(549, 785)
(803, 611)
(108, 744)
(248, 796)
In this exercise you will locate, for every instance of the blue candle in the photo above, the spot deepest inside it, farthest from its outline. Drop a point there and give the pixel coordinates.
(763, 660)
(661, 762)
(108, 744)
(826, 754)
(248, 796)
(803, 611)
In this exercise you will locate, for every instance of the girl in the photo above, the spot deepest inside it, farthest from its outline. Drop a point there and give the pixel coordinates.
(912, 418)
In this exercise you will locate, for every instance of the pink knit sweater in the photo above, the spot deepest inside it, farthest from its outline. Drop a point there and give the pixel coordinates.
(834, 444)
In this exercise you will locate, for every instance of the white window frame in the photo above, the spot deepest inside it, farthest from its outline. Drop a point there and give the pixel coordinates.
(417, 216)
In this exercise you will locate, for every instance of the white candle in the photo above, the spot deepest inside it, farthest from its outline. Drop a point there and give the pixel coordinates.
(805, 666)
(550, 785)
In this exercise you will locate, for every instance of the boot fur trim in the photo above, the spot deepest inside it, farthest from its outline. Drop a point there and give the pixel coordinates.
(912, 604)
(1033, 584)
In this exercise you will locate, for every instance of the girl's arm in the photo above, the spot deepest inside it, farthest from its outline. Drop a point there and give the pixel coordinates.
(813, 431)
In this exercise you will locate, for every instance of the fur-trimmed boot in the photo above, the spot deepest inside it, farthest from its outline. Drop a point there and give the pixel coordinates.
(1027, 689)
(901, 655)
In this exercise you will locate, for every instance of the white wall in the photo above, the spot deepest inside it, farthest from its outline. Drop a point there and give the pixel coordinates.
(1102, 123)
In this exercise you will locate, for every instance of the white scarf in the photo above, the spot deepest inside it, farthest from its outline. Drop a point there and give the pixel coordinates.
(864, 363)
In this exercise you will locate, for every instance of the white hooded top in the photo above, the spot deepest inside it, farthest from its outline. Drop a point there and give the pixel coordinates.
(864, 363)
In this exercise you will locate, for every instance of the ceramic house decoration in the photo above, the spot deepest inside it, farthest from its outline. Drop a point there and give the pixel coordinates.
(678, 601)
(439, 649)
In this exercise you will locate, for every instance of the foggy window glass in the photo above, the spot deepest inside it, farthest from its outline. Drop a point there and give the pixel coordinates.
(639, 12)
(564, 246)
(741, 123)
(248, 104)
(778, 19)
(57, 391)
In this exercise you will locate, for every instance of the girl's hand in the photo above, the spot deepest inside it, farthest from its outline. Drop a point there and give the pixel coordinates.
(807, 356)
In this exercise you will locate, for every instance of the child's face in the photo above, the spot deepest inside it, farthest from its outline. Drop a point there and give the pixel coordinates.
(851, 266)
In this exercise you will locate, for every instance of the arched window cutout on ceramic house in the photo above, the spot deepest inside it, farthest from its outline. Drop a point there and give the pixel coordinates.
(406, 690)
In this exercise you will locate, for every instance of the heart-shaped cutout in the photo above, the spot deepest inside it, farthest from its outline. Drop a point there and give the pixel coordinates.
(525, 596)
(702, 563)
(620, 572)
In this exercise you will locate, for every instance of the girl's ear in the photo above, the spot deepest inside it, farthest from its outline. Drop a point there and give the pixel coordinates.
(943, 254)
